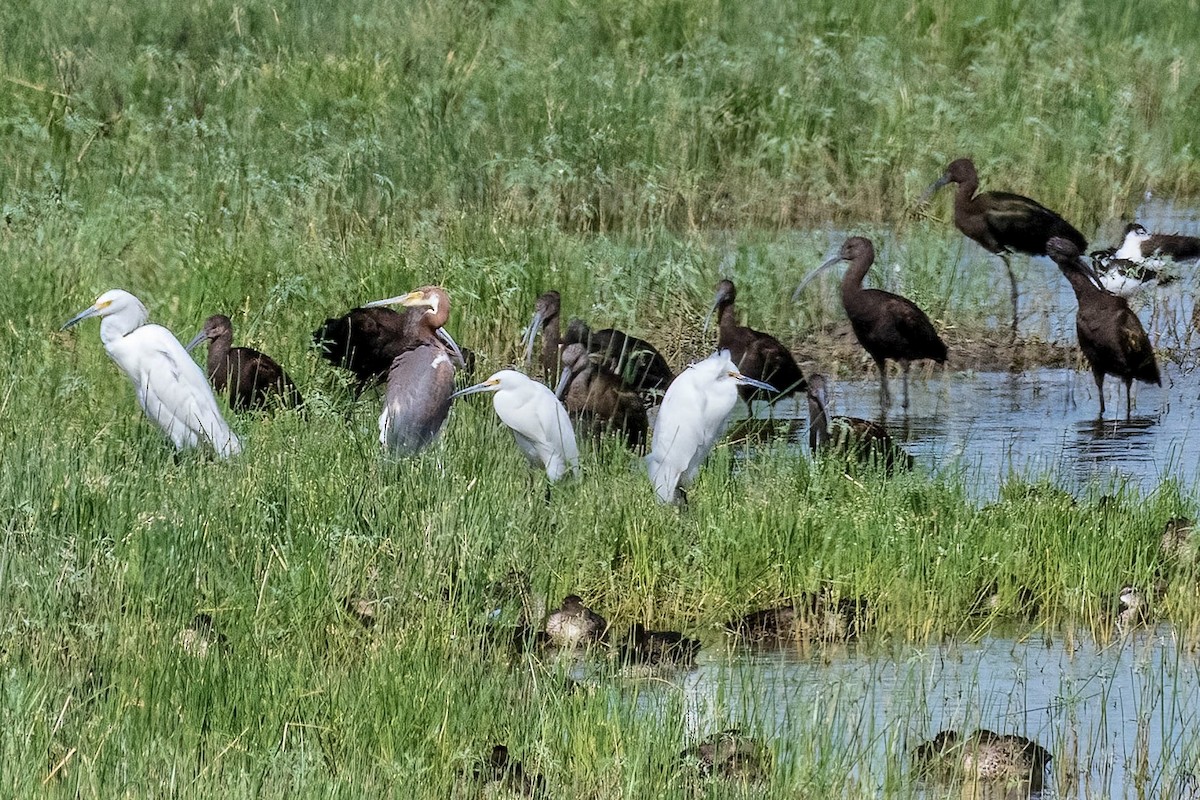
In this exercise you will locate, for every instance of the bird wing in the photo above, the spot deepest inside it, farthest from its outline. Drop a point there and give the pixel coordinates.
(1025, 225)
(420, 382)
(173, 391)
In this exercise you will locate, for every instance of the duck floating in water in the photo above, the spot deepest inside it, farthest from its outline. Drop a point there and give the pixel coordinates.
(730, 754)
(983, 757)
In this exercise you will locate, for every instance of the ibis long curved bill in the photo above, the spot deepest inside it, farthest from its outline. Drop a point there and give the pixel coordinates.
(196, 340)
(420, 297)
(531, 333)
(812, 276)
(564, 380)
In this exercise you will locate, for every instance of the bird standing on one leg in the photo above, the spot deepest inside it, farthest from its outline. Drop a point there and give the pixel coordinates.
(885, 324)
(1002, 222)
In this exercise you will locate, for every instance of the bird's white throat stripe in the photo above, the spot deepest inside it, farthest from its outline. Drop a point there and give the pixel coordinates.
(437, 362)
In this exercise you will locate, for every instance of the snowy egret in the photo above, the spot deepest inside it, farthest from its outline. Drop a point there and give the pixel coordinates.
(170, 387)
(758, 355)
(597, 397)
(1110, 335)
(635, 361)
(537, 419)
(694, 415)
(885, 324)
(249, 377)
(545, 319)
(1002, 222)
(421, 377)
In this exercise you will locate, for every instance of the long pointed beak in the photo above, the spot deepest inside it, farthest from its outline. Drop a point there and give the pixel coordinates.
(445, 336)
(933, 187)
(531, 333)
(399, 299)
(709, 316)
(740, 378)
(812, 276)
(197, 339)
(90, 311)
(563, 381)
(486, 386)
(1089, 269)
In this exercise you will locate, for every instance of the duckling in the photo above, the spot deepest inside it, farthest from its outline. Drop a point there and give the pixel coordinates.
(729, 754)
(573, 625)
(1176, 542)
(811, 617)
(200, 636)
(503, 777)
(647, 654)
(982, 757)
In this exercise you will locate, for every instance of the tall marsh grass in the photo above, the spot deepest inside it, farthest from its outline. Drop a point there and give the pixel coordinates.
(281, 162)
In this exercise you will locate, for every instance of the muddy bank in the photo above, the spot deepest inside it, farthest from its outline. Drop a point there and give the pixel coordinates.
(835, 350)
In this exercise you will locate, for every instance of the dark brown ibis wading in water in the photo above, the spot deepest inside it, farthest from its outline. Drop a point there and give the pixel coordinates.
(421, 377)
(598, 398)
(860, 439)
(1002, 222)
(545, 320)
(252, 379)
(887, 325)
(635, 361)
(1110, 335)
(757, 355)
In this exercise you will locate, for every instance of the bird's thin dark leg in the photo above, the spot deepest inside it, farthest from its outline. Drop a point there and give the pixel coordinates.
(904, 371)
(1012, 288)
(885, 397)
(1100, 388)
(1128, 399)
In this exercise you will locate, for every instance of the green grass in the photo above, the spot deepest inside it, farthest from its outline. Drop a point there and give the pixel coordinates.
(281, 162)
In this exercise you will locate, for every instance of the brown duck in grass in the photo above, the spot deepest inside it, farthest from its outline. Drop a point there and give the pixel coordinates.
(982, 757)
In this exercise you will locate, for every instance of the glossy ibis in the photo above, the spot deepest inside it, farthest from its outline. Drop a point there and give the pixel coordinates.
(730, 754)
(756, 354)
(982, 756)
(170, 387)
(887, 325)
(1002, 222)
(597, 397)
(421, 377)
(635, 361)
(537, 419)
(250, 378)
(545, 320)
(574, 625)
(694, 415)
(1110, 334)
(860, 439)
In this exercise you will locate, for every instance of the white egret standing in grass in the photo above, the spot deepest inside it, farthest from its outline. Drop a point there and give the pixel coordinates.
(694, 415)
(170, 386)
(538, 420)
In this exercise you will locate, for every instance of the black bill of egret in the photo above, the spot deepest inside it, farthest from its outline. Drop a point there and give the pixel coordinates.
(694, 415)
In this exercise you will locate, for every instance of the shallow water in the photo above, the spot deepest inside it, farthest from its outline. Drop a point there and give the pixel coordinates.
(1044, 423)
(1122, 719)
